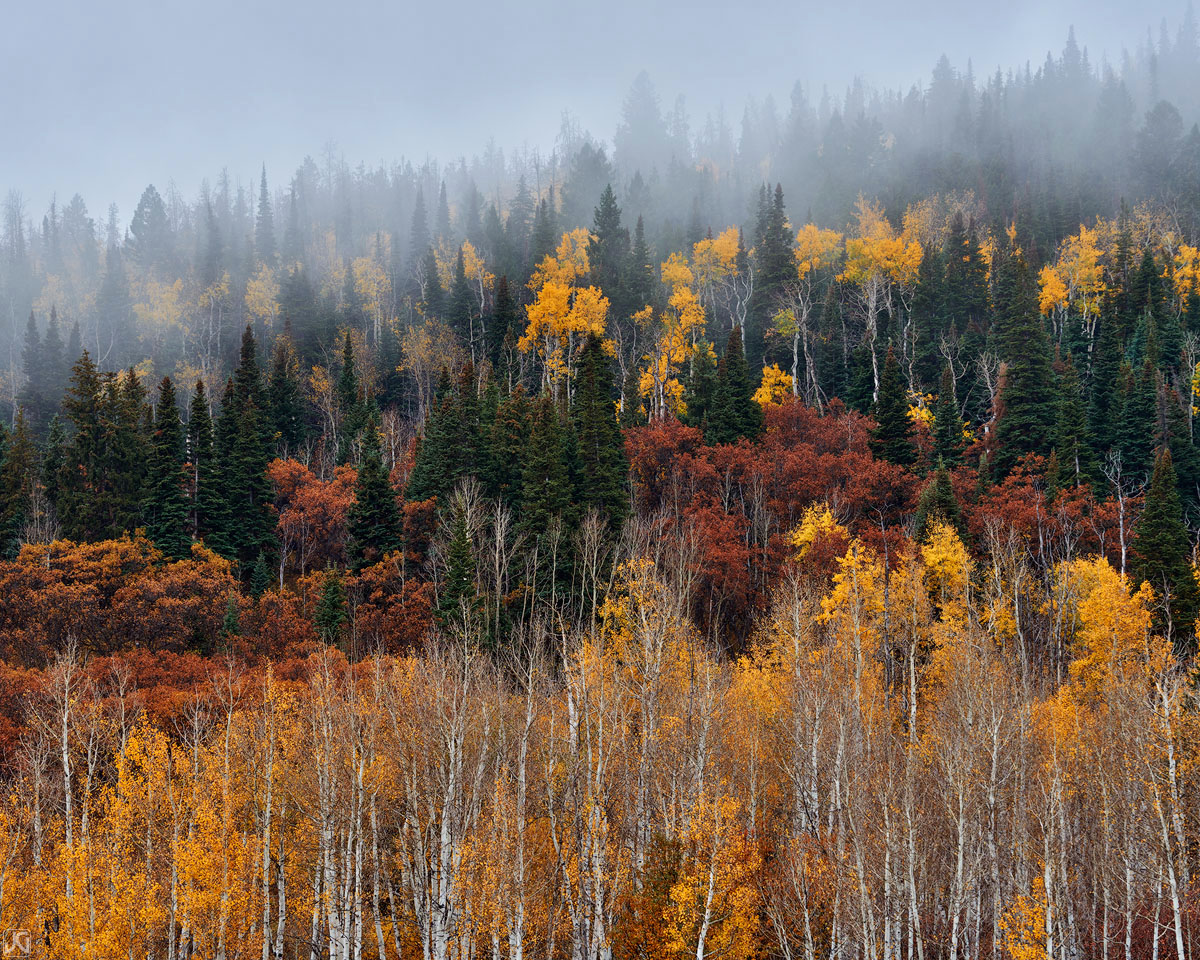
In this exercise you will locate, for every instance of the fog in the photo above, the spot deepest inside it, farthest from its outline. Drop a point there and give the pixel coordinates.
(105, 99)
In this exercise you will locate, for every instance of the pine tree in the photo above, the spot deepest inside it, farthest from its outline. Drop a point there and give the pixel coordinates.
(775, 268)
(19, 469)
(700, 390)
(461, 310)
(284, 399)
(938, 504)
(947, 423)
(209, 517)
(330, 613)
(1162, 556)
(264, 224)
(734, 413)
(1104, 400)
(602, 465)
(1076, 461)
(546, 492)
(164, 508)
(1136, 428)
(1027, 423)
(434, 471)
(507, 436)
(633, 414)
(457, 599)
(349, 405)
(608, 254)
(373, 522)
(891, 440)
(260, 576)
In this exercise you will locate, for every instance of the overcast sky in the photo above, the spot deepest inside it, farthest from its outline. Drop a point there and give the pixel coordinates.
(103, 98)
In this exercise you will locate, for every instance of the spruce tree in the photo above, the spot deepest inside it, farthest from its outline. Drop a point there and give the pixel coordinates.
(1029, 412)
(164, 508)
(608, 254)
(1075, 459)
(1162, 556)
(349, 405)
(506, 445)
(457, 599)
(947, 423)
(891, 440)
(209, 518)
(1136, 428)
(284, 399)
(734, 413)
(546, 492)
(373, 521)
(1105, 384)
(330, 613)
(602, 465)
(938, 503)
(264, 225)
(19, 468)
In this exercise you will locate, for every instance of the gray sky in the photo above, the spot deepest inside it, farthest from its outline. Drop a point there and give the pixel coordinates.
(103, 98)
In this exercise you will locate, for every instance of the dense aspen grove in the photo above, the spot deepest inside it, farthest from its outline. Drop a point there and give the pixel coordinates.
(771, 547)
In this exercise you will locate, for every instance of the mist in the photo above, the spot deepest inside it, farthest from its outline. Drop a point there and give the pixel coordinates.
(105, 99)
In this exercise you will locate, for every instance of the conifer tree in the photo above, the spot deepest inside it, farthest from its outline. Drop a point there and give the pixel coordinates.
(1029, 409)
(264, 224)
(1104, 400)
(1075, 459)
(938, 503)
(457, 599)
(1137, 426)
(608, 254)
(947, 423)
(734, 413)
(603, 469)
(1162, 556)
(434, 470)
(632, 412)
(209, 518)
(700, 390)
(546, 492)
(891, 440)
(284, 399)
(19, 468)
(373, 522)
(506, 445)
(330, 613)
(349, 405)
(164, 508)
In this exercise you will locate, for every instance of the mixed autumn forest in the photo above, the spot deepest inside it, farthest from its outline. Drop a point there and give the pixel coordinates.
(778, 543)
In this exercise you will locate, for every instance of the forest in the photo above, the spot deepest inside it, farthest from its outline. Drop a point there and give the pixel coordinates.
(772, 545)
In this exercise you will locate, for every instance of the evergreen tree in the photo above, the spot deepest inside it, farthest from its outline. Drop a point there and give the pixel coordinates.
(285, 400)
(506, 445)
(947, 423)
(1076, 461)
(18, 480)
(457, 599)
(349, 405)
(938, 504)
(330, 613)
(608, 254)
(603, 469)
(1029, 400)
(209, 517)
(1136, 428)
(264, 224)
(260, 576)
(776, 267)
(1104, 400)
(546, 493)
(700, 390)
(164, 508)
(434, 471)
(1162, 556)
(373, 522)
(632, 412)
(734, 413)
(891, 440)
(505, 320)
